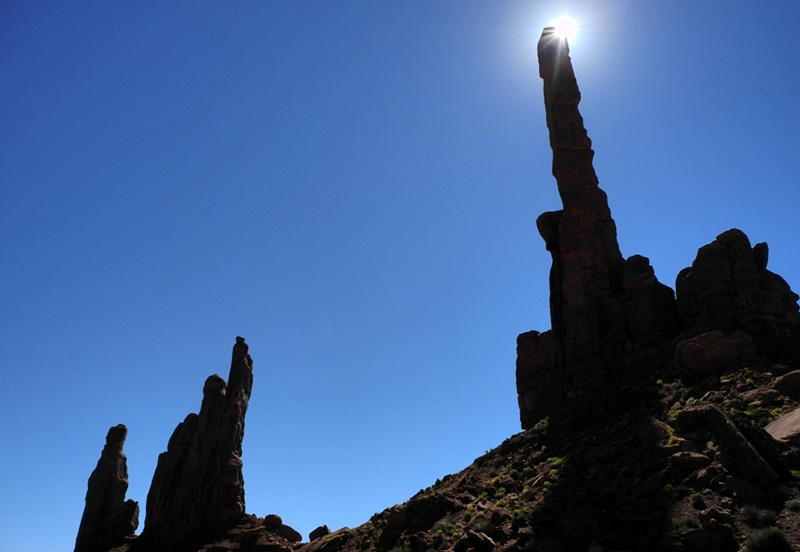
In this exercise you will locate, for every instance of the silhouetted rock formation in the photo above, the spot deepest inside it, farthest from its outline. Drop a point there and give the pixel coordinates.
(600, 304)
(108, 518)
(728, 288)
(198, 486)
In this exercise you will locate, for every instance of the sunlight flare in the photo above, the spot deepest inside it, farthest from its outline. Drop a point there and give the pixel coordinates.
(566, 27)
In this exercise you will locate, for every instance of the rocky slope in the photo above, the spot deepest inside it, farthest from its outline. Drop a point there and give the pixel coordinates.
(654, 474)
(654, 420)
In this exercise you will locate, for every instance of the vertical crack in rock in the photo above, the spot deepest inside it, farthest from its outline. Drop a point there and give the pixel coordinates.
(198, 485)
(108, 518)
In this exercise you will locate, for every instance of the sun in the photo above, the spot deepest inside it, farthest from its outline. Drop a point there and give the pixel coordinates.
(566, 27)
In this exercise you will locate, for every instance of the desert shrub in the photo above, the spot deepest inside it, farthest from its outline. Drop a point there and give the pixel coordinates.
(767, 517)
(442, 527)
(555, 462)
(768, 540)
(697, 501)
(754, 517)
(479, 524)
(793, 505)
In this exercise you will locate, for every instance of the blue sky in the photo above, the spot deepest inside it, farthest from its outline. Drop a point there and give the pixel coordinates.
(353, 187)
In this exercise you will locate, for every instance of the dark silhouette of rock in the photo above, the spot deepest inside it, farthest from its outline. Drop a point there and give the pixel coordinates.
(729, 288)
(329, 542)
(650, 311)
(600, 304)
(198, 486)
(319, 532)
(108, 518)
(539, 385)
(586, 283)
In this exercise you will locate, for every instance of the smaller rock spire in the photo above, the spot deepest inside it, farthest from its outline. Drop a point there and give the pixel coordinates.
(107, 517)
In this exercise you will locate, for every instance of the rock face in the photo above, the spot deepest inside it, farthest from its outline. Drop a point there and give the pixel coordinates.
(586, 277)
(601, 305)
(198, 486)
(729, 288)
(610, 315)
(108, 518)
(712, 353)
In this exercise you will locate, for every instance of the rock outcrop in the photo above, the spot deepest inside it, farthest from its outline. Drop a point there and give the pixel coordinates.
(601, 305)
(611, 315)
(108, 518)
(198, 485)
(728, 288)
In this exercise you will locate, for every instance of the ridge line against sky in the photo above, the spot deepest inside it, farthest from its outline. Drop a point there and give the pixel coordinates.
(353, 188)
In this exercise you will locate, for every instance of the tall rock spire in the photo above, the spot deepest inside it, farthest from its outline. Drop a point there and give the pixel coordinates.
(594, 292)
(198, 485)
(108, 518)
(586, 307)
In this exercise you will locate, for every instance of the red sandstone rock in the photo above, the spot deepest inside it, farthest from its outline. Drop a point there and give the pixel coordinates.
(786, 428)
(108, 518)
(198, 485)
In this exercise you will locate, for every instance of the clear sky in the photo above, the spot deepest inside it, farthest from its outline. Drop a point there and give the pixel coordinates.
(353, 187)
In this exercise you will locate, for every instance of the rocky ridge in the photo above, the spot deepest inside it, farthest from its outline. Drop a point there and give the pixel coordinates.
(653, 420)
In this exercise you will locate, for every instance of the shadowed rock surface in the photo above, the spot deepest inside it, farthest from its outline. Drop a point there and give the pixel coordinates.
(108, 518)
(601, 306)
(728, 288)
(640, 438)
(198, 485)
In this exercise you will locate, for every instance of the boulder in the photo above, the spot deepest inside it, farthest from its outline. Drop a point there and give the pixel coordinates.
(652, 430)
(690, 461)
(272, 522)
(289, 533)
(331, 542)
(786, 428)
(319, 532)
(761, 396)
(788, 384)
(713, 353)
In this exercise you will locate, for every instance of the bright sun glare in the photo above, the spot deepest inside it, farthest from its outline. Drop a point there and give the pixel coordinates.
(566, 27)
